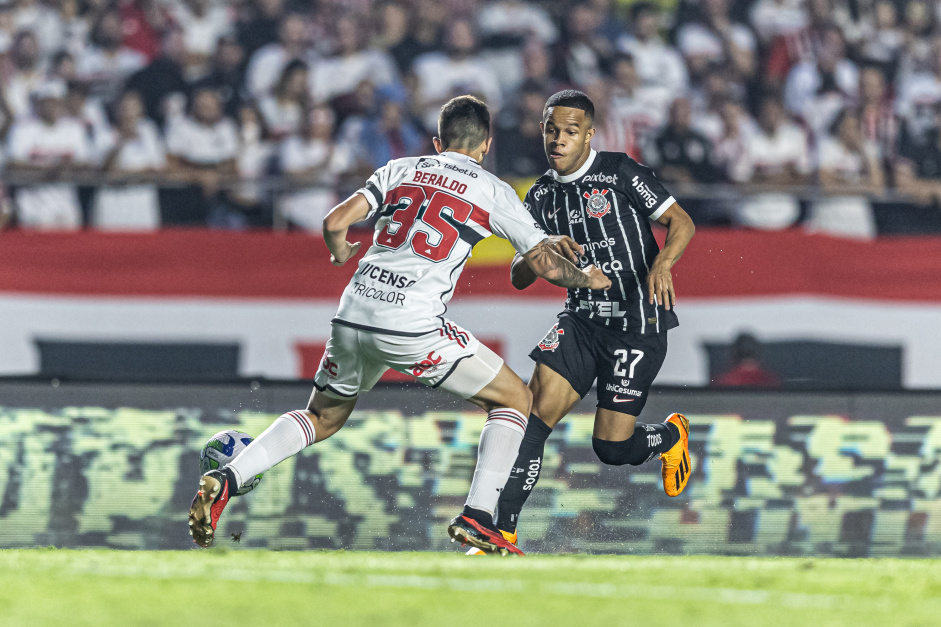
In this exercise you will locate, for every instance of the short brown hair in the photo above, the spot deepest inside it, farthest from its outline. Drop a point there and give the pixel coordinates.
(464, 123)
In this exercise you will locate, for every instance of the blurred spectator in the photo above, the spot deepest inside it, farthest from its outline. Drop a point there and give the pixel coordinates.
(818, 90)
(202, 148)
(918, 162)
(778, 18)
(518, 139)
(43, 148)
(247, 202)
(75, 28)
(107, 62)
(312, 158)
(581, 54)
(456, 71)
(377, 137)
(879, 122)
(776, 154)
(25, 73)
(143, 24)
(338, 75)
(7, 31)
(642, 108)
(397, 36)
(203, 23)
(680, 154)
(731, 144)
(918, 25)
(135, 153)
(266, 63)
(658, 64)
(537, 68)
(747, 369)
(849, 166)
(884, 44)
(91, 115)
(614, 131)
(259, 24)
(919, 90)
(40, 19)
(717, 39)
(162, 84)
(515, 19)
(430, 20)
(225, 74)
(283, 109)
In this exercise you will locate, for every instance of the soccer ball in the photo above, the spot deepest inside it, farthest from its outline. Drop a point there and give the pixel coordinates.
(223, 448)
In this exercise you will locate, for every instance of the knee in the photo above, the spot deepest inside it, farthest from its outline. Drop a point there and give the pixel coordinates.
(520, 399)
(612, 453)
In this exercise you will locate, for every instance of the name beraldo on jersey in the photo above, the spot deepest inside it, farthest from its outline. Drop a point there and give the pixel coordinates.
(430, 212)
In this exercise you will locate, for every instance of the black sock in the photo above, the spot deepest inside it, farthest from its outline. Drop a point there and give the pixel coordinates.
(648, 440)
(479, 515)
(524, 475)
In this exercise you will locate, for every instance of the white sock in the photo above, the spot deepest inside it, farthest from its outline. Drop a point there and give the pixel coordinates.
(499, 444)
(286, 436)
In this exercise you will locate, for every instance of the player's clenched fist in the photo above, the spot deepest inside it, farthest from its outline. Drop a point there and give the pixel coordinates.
(350, 253)
(597, 279)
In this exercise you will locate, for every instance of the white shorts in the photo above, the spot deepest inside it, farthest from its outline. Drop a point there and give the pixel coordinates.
(355, 360)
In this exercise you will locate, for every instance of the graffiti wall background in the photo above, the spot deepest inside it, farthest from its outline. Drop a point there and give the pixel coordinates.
(795, 484)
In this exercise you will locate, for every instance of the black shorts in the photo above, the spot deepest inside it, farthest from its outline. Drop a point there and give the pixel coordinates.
(624, 363)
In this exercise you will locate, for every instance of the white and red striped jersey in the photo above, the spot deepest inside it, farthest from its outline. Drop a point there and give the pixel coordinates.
(431, 212)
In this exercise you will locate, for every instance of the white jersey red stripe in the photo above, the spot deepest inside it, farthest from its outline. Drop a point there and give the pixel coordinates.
(430, 212)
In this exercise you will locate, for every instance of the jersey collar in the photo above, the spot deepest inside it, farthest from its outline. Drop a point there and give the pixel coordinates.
(459, 156)
(568, 178)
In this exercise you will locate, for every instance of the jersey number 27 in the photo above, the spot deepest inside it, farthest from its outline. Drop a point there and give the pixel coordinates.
(410, 203)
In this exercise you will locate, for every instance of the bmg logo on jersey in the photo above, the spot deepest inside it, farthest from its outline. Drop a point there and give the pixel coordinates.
(650, 199)
(598, 205)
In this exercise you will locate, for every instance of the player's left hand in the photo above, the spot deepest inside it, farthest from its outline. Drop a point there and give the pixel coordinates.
(353, 248)
(567, 247)
(660, 285)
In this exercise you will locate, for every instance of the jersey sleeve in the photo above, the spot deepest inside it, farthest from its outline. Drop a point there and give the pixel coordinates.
(511, 220)
(644, 189)
(376, 188)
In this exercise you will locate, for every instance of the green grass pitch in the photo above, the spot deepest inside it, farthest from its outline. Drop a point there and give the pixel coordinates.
(233, 586)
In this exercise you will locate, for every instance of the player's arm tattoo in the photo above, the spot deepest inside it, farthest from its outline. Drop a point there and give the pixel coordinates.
(555, 268)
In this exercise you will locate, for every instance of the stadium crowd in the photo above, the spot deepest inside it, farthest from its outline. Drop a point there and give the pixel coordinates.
(140, 113)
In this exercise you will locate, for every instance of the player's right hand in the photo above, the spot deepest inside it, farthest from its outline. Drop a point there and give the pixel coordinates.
(597, 279)
(353, 249)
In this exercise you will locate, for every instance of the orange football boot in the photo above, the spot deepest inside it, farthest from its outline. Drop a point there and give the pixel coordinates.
(677, 466)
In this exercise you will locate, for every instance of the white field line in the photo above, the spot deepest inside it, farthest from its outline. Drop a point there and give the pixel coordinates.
(733, 596)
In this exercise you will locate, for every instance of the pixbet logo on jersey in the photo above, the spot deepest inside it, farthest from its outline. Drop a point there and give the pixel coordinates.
(551, 341)
(597, 205)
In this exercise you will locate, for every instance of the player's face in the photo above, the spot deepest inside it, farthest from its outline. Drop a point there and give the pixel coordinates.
(566, 134)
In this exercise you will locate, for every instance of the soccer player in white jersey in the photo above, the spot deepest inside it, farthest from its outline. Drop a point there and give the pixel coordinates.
(430, 212)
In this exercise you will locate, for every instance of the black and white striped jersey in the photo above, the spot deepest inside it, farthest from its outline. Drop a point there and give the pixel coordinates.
(605, 206)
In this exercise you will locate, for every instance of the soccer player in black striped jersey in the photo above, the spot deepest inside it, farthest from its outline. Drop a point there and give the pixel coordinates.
(604, 201)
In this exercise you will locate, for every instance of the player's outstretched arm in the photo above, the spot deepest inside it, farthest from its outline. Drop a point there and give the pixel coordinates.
(521, 273)
(556, 269)
(680, 229)
(337, 223)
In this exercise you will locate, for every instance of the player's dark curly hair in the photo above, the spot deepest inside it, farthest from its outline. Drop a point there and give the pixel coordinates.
(464, 123)
(571, 98)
